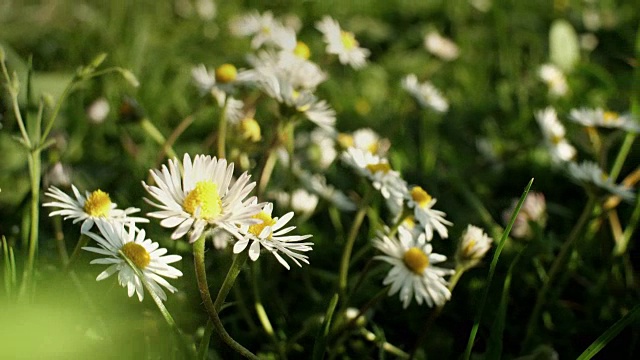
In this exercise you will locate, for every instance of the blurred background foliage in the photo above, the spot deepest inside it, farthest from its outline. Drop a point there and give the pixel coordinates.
(485, 149)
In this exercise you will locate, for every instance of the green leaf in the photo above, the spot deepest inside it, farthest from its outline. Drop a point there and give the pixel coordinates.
(321, 339)
(631, 317)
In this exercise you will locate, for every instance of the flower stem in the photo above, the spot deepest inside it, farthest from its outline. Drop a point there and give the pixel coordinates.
(348, 247)
(229, 280)
(222, 130)
(157, 136)
(556, 267)
(82, 242)
(203, 286)
(60, 243)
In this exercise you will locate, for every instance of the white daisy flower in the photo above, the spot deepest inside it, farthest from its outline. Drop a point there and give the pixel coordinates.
(554, 78)
(317, 183)
(269, 234)
(474, 244)
(590, 174)
(609, 119)
(201, 196)
(299, 200)
(114, 241)
(342, 43)
(220, 84)
(377, 170)
(413, 274)
(264, 29)
(296, 70)
(440, 46)
(554, 134)
(427, 95)
(429, 218)
(89, 208)
(364, 139)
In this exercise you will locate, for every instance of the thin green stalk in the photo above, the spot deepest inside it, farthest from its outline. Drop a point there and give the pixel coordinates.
(203, 348)
(13, 88)
(158, 301)
(222, 130)
(622, 156)
(348, 247)
(157, 136)
(229, 280)
(82, 242)
(203, 286)
(492, 269)
(631, 317)
(56, 109)
(319, 347)
(621, 246)
(267, 170)
(557, 266)
(60, 242)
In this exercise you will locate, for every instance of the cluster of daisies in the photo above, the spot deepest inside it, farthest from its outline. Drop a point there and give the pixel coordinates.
(195, 197)
(597, 124)
(407, 244)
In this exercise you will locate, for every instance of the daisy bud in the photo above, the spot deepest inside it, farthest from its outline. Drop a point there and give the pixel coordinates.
(474, 244)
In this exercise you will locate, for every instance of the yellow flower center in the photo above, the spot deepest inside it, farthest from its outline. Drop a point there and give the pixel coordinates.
(137, 254)
(226, 73)
(348, 40)
(409, 222)
(421, 197)
(204, 197)
(556, 139)
(468, 248)
(610, 116)
(98, 204)
(374, 168)
(345, 140)
(302, 50)
(416, 260)
(266, 221)
(250, 130)
(373, 147)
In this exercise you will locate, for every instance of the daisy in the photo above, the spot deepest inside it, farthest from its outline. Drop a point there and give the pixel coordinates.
(609, 119)
(474, 244)
(264, 29)
(201, 196)
(364, 139)
(425, 94)
(270, 235)
(296, 70)
(441, 46)
(220, 83)
(590, 174)
(554, 134)
(377, 170)
(413, 274)
(89, 208)
(429, 218)
(342, 43)
(554, 78)
(115, 242)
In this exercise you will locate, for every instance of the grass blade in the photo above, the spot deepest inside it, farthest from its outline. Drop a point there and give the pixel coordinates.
(492, 269)
(631, 317)
(321, 340)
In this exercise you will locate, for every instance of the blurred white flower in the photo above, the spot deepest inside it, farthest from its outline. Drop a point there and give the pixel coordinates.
(588, 173)
(425, 94)
(206, 9)
(264, 29)
(342, 43)
(413, 274)
(114, 241)
(533, 210)
(98, 110)
(377, 170)
(554, 78)
(300, 201)
(58, 175)
(364, 139)
(608, 119)
(553, 131)
(440, 46)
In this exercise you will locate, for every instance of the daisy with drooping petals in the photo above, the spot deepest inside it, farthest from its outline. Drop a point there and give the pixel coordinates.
(429, 218)
(427, 95)
(608, 119)
(94, 205)
(588, 173)
(342, 43)
(413, 273)
(115, 241)
(201, 196)
(269, 234)
(554, 78)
